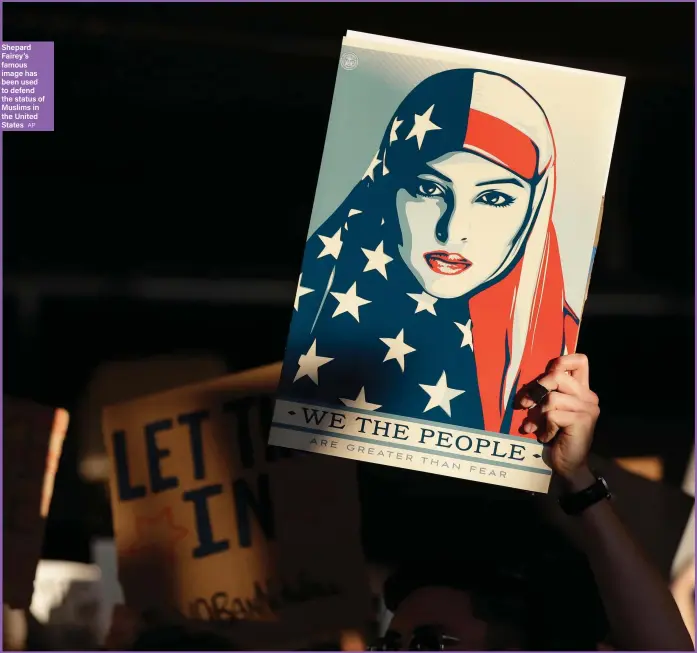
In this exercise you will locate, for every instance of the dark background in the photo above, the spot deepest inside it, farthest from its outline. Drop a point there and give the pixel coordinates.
(163, 114)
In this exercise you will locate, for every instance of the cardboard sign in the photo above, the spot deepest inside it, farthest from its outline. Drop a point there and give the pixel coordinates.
(213, 523)
(448, 258)
(33, 440)
(68, 596)
(115, 382)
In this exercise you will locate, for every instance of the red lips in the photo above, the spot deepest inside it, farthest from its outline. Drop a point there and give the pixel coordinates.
(447, 263)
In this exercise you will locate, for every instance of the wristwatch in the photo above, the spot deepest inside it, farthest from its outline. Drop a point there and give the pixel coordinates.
(574, 503)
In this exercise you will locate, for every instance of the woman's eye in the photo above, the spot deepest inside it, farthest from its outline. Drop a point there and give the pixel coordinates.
(429, 189)
(495, 198)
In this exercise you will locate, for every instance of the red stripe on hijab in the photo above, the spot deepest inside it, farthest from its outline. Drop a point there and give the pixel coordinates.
(503, 141)
(549, 329)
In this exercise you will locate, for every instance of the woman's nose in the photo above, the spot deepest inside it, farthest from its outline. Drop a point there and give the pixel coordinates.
(453, 227)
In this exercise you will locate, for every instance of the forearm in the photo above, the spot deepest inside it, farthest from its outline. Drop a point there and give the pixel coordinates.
(640, 608)
(683, 590)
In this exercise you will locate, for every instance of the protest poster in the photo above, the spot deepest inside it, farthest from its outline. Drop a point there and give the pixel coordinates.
(448, 257)
(115, 382)
(68, 602)
(33, 438)
(212, 523)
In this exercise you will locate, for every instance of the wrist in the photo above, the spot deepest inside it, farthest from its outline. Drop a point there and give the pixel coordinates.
(577, 480)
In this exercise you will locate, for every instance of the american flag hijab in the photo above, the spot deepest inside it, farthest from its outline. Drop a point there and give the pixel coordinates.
(365, 333)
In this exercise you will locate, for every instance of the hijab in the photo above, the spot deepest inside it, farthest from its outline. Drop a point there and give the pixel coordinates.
(387, 348)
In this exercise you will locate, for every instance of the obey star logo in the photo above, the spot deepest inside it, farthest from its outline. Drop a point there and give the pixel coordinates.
(157, 534)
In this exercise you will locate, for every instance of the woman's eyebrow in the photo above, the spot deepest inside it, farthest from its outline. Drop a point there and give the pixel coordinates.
(434, 173)
(509, 180)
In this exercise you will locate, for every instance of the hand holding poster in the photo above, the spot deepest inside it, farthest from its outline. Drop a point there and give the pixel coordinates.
(451, 270)
(212, 523)
(33, 438)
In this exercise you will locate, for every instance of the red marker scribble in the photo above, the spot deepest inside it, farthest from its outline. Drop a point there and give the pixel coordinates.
(161, 523)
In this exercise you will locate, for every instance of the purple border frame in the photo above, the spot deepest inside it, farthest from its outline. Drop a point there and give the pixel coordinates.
(2, 350)
(2, 230)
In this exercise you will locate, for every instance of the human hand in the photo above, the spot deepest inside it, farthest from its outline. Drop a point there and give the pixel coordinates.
(566, 418)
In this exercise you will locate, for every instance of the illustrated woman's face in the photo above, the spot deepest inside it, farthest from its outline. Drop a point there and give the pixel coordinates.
(459, 220)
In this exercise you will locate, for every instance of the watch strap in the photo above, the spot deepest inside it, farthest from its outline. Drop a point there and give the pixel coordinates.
(574, 503)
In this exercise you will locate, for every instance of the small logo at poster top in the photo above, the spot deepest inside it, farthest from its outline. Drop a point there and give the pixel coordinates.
(349, 61)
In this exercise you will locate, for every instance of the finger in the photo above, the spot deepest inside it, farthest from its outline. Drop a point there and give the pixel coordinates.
(536, 418)
(539, 422)
(559, 381)
(556, 420)
(565, 402)
(562, 383)
(559, 420)
(529, 426)
(575, 364)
